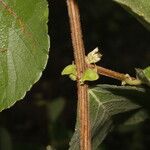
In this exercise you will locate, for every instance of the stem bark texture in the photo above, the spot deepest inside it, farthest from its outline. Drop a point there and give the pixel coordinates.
(82, 90)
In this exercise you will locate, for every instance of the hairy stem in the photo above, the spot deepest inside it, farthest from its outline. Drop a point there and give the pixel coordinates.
(79, 56)
(107, 72)
(116, 75)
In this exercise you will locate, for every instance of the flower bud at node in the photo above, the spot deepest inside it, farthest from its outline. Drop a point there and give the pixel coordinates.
(93, 57)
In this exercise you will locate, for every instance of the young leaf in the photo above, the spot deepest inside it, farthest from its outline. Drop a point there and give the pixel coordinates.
(73, 77)
(144, 75)
(89, 75)
(139, 8)
(137, 117)
(70, 69)
(24, 45)
(147, 72)
(107, 102)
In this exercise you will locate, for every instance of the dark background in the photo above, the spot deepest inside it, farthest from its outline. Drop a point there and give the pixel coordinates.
(47, 113)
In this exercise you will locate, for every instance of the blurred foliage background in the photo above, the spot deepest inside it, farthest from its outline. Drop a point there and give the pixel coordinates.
(47, 113)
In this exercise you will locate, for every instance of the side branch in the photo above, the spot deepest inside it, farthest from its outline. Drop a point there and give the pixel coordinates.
(125, 78)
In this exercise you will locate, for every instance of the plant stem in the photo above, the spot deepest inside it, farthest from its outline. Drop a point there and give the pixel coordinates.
(79, 56)
(107, 72)
(116, 75)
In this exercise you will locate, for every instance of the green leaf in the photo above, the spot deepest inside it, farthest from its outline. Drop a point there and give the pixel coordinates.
(136, 117)
(106, 102)
(70, 69)
(73, 77)
(24, 45)
(147, 72)
(144, 75)
(139, 8)
(89, 75)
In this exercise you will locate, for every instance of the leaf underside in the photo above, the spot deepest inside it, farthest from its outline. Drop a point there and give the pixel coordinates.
(24, 45)
(139, 8)
(107, 102)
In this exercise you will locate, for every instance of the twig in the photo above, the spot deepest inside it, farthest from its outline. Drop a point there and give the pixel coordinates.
(79, 56)
(116, 75)
(107, 72)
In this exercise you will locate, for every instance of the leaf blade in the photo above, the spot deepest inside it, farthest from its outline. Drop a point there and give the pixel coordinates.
(140, 9)
(102, 110)
(25, 40)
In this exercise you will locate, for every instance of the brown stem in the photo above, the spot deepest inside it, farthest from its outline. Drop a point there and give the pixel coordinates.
(109, 73)
(125, 78)
(79, 55)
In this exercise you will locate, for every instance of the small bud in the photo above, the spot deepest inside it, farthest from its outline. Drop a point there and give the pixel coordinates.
(128, 80)
(94, 56)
